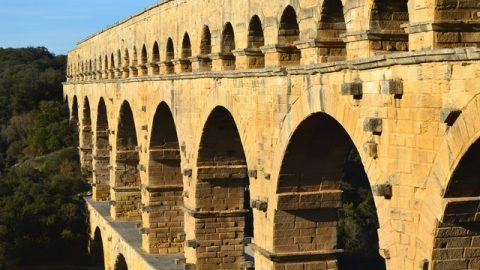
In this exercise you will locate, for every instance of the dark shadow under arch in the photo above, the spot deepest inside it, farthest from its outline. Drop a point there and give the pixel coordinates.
(322, 172)
(459, 229)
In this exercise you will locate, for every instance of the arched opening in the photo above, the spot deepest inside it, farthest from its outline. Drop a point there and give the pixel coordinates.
(90, 69)
(155, 53)
(288, 34)
(126, 64)
(74, 112)
(223, 187)
(105, 66)
(205, 63)
(86, 142)
(119, 59)
(96, 250)
(186, 65)
(460, 230)
(101, 158)
(165, 185)
(387, 18)
(170, 55)
(100, 68)
(320, 162)
(330, 28)
(126, 191)
(256, 59)
(206, 41)
(144, 61)
(154, 65)
(134, 56)
(134, 63)
(457, 24)
(112, 66)
(227, 47)
(120, 263)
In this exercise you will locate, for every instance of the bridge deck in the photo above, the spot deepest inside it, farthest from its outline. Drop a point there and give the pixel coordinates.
(129, 232)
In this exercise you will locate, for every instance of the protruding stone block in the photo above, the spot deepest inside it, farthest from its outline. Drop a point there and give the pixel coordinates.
(392, 87)
(191, 243)
(187, 172)
(354, 89)
(449, 115)
(372, 124)
(181, 236)
(370, 149)
(383, 190)
(259, 205)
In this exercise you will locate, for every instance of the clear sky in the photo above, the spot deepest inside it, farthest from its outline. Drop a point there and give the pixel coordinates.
(60, 24)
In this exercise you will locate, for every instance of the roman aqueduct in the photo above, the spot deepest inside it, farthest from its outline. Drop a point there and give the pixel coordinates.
(205, 123)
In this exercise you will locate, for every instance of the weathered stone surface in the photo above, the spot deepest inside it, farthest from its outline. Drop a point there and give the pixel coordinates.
(404, 66)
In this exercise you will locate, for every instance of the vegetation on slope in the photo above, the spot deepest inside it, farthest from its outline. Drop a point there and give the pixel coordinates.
(42, 217)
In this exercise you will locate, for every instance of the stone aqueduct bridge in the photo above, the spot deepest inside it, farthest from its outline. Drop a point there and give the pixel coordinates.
(194, 111)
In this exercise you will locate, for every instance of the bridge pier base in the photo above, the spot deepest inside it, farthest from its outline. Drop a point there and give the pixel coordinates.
(215, 240)
(162, 220)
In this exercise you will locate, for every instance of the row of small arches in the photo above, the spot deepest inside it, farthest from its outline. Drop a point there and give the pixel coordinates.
(387, 16)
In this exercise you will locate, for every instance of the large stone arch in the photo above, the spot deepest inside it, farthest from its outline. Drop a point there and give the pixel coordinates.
(309, 195)
(450, 230)
(86, 141)
(328, 101)
(162, 194)
(125, 182)
(221, 195)
(101, 154)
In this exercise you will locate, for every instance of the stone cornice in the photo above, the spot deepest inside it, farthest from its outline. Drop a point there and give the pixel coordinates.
(401, 58)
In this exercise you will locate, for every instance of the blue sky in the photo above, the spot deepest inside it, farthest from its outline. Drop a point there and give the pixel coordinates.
(60, 24)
